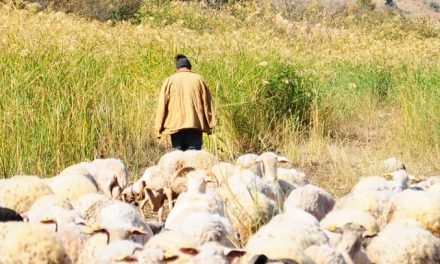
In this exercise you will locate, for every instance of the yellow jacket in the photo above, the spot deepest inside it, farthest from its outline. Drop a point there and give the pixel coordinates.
(184, 102)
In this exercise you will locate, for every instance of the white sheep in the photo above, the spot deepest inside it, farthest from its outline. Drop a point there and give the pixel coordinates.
(111, 175)
(373, 202)
(421, 206)
(117, 252)
(287, 236)
(20, 192)
(404, 241)
(71, 186)
(120, 220)
(393, 164)
(292, 176)
(324, 254)
(53, 215)
(52, 200)
(311, 199)
(398, 182)
(29, 243)
(80, 169)
(84, 202)
(195, 199)
(338, 218)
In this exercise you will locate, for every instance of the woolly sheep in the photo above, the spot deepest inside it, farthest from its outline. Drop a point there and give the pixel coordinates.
(52, 200)
(20, 192)
(212, 253)
(311, 199)
(7, 215)
(111, 175)
(373, 202)
(195, 199)
(422, 206)
(286, 236)
(84, 202)
(117, 252)
(54, 215)
(393, 164)
(73, 238)
(324, 254)
(404, 241)
(204, 227)
(120, 219)
(71, 186)
(425, 184)
(338, 218)
(398, 183)
(292, 176)
(29, 243)
(80, 169)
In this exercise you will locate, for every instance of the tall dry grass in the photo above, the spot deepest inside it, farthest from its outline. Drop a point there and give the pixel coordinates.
(337, 95)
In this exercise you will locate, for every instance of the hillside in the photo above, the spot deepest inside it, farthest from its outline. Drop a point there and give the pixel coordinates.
(337, 92)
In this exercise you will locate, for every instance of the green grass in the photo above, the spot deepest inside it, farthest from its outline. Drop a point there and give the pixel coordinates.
(74, 90)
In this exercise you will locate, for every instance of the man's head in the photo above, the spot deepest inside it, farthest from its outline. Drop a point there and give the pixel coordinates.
(182, 62)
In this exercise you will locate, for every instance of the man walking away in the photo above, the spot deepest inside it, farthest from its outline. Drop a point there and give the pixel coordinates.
(185, 109)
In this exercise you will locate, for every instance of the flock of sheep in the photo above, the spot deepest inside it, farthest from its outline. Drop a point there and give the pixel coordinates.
(258, 210)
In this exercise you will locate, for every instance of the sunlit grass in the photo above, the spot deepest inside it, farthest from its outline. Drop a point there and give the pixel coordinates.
(335, 96)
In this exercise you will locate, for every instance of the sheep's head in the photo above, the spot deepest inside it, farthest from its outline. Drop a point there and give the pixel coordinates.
(212, 252)
(47, 220)
(197, 181)
(269, 161)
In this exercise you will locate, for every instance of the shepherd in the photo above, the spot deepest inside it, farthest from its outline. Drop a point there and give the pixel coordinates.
(185, 108)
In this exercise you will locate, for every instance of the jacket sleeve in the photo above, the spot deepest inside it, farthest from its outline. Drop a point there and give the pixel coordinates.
(208, 106)
(162, 108)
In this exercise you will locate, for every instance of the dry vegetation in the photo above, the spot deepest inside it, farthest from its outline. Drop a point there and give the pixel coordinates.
(337, 92)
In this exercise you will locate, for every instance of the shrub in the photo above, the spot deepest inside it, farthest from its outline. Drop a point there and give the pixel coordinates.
(98, 9)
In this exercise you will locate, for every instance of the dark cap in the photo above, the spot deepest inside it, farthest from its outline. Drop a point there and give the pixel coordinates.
(182, 61)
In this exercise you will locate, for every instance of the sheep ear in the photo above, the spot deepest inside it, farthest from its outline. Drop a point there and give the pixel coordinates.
(168, 256)
(127, 258)
(189, 251)
(183, 171)
(233, 253)
(138, 231)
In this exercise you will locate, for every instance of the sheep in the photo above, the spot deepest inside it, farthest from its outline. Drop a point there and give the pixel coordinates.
(119, 219)
(338, 218)
(73, 238)
(7, 215)
(398, 183)
(404, 241)
(324, 254)
(71, 186)
(80, 169)
(111, 176)
(117, 252)
(167, 179)
(292, 176)
(312, 199)
(84, 202)
(373, 202)
(29, 243)
(211, 252)
(287, 236)
(425, 184)
(53, 215)
(393, 164)
(52, 200)
(221, 172)
(20, 192)
(195, 199)
(139, 185)
(422, 206)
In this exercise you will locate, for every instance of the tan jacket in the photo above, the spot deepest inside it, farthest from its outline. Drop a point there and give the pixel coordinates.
(184, 102)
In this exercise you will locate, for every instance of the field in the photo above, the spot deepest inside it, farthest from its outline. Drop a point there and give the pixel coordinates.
(335, 91)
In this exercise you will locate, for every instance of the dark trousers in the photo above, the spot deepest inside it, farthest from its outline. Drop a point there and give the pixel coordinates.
(187, 139)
